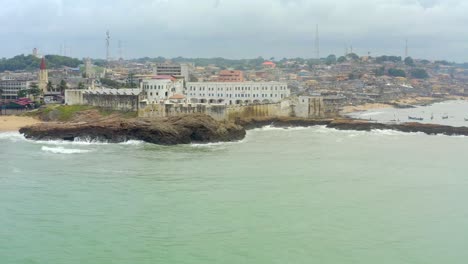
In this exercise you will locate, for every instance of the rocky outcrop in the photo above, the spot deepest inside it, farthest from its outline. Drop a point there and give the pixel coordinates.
(430, 129)
(183, 129)
(258, 122)
(199, 128)
(351, 124)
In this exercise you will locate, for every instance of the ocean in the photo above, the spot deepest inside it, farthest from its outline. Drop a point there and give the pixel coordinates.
(297, 195)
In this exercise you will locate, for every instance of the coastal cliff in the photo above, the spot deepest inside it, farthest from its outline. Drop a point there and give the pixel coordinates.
(184, 129)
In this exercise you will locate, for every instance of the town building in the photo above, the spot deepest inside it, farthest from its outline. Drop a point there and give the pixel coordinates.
(9, 88)
(177, 70)
(161, 88)
(236, 92)
(269, 64)
(230, 76)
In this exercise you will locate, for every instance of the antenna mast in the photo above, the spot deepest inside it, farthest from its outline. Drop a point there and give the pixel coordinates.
(406, 48)
(120, 50)
(107, 46)
(317, 43)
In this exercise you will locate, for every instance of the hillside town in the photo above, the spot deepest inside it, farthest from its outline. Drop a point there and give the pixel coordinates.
(134, 85)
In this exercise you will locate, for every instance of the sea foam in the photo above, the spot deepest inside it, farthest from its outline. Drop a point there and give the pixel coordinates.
(62, 150)
(12, 136)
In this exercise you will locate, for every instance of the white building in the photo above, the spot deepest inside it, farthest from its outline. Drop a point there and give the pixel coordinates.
(236, 92)
(177, 70)
(162, 88)
(10, 88)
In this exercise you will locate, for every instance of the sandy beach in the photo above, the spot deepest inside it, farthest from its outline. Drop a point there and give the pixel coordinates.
(14, 123)
(364, 107)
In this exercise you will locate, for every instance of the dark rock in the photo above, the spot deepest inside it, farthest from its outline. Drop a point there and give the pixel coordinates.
(430, 129)
(184, 129)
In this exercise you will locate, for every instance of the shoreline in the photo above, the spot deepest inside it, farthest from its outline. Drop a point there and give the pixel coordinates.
(13, 123)
(409, 102)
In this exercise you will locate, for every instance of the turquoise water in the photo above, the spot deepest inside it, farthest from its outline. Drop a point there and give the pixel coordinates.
(305, 195)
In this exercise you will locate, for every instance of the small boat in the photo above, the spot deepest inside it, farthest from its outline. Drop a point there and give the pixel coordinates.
(445, 117)
(432, 116)
(415, 118)
(466, 119)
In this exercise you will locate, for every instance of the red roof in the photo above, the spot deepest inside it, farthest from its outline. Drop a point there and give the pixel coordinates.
(164, 77)
(43, 65)
(23, 101)
(269, 63)
(177, 96)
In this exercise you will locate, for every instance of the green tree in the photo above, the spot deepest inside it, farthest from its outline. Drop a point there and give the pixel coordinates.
(352, 56)
(341, 59)
(62, 86)
(81, 85)
(409, 61)
(331, 59)
(50, 86)
(419, 73)
(22, 93)
(396, 72)
(35, 92)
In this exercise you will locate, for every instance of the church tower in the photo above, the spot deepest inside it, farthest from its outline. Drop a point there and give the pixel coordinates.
(43, 76)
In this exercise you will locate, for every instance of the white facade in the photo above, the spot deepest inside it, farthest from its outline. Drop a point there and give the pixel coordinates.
(157, 90)
(236, 92)
(179, 70)
(10, 88)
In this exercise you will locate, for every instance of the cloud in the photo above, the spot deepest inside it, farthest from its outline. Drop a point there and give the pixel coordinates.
(239, 28)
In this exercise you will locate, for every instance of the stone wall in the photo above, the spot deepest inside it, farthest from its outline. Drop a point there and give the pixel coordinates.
(122, 102)
(260, 110)
(310, 107)
(113, 101)
(218, 112)
(306, 107)
(74, 97)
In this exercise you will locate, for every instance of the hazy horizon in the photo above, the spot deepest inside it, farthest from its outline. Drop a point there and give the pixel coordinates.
(236, 29)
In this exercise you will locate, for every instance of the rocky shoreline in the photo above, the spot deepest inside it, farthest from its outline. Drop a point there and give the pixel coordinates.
(198, 128)
(184, 129)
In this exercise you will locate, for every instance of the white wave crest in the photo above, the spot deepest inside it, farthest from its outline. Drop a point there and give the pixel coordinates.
(273, 128)
(77, 141)
(12, 136)
(62, 150)
(216, 144)
(132, 142)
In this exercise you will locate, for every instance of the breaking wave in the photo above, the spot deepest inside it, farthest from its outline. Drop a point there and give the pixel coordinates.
(12, 136)
(62, 150)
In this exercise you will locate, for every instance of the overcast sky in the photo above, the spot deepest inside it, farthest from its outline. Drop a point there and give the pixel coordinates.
(435, 29)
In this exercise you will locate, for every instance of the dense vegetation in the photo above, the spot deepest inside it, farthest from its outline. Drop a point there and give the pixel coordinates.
(419, 73)
(30, 62)
(396, 72)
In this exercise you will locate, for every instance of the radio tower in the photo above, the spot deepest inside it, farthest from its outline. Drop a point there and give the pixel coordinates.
(107, 46)
(317, 43)
(120, 50)
(406, 48)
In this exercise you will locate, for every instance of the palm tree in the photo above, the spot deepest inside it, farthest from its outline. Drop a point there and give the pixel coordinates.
(50, 86)
(62, 86)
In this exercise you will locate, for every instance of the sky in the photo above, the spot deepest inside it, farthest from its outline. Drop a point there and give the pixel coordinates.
(435, 29)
